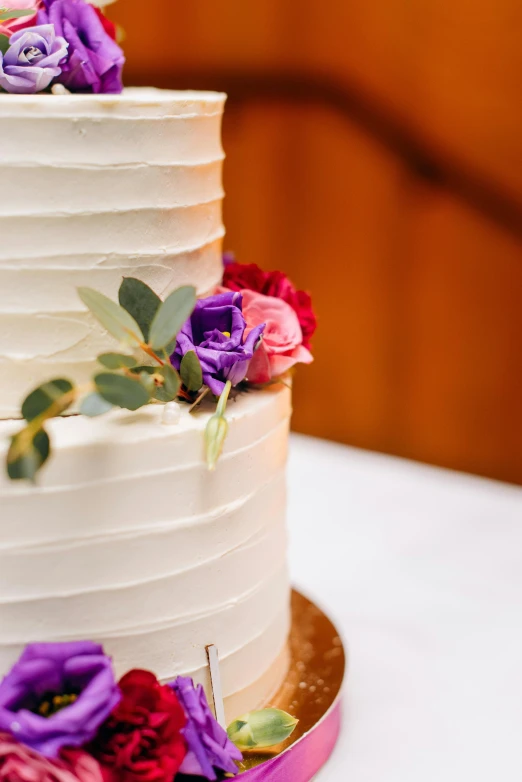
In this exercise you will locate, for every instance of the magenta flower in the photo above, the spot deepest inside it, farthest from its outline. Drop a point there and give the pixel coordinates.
(217, 332)
(209, 748)
(33, 60)
(57, 695)
(95, 60)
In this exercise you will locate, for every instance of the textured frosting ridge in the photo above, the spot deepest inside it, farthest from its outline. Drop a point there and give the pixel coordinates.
(132, 186)
(130, 541)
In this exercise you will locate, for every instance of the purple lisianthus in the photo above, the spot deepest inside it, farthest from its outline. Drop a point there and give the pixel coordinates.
(209, 748)
(95, 60)
(32, 60)
(217, 332)
(57, 695)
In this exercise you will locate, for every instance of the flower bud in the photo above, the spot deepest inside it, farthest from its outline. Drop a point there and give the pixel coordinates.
(261, 729)
(215, 435)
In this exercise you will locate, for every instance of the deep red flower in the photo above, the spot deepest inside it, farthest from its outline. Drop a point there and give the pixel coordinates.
(238, 276)
(244, 276)
(108, 26)
(142, 741)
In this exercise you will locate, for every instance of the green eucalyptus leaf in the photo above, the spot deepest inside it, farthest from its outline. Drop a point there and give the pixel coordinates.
(121, 391)
(171, 316)
(94, 405)
(147, 381)
(27, 453)
(190, 371)
(117, 361)
(54, 394)
(15, 13)
(144, 368)
(261, 729)
(114, 318)
(4, 43)
(171, 384)
(140, 301)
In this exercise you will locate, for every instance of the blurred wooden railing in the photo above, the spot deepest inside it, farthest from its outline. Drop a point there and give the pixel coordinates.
(409, 232)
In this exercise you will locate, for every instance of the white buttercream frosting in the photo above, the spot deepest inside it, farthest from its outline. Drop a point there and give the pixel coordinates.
(95, 188)
(129, 540)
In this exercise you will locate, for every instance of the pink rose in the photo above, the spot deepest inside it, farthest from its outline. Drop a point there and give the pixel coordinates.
(12, 25)
(18, 763)
(282, 343)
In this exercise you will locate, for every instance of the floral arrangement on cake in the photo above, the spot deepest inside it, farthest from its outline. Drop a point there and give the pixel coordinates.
(45, 43)
(250, 333)
(64, 718)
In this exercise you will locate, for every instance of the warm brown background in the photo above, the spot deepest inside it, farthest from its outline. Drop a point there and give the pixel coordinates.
(375, 153)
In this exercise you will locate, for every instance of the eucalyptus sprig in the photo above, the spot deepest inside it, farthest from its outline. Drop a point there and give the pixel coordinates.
(140, 321)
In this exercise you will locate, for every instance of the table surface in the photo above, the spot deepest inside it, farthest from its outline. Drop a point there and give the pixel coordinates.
(421, 569)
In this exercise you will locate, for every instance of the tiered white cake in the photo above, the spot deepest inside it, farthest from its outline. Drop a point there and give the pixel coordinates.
(127, 539)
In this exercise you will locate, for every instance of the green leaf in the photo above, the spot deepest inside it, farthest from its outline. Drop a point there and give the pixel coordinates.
(94, 405)
(190, 371)
(140, 301)
(4, 43)
(27, 453)
(147, 381)
(171, 316)
(171, 384)
(117, 361)
(261, 729)
(114, 318)
(12, 13)
(54, 394)
(144, 368)
(121, 391)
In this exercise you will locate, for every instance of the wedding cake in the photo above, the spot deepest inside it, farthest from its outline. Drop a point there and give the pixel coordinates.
(112, 526)
(127, 538)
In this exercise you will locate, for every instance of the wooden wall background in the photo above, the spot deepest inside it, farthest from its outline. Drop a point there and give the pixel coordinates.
(375, 152)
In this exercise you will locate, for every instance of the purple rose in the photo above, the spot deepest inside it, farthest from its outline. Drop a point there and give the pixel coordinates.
(209, 747)
(32, 60)
(57, 695)
(216, 331)
(95, 60)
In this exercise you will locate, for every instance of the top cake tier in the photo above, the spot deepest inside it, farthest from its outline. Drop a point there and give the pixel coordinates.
(95, 188)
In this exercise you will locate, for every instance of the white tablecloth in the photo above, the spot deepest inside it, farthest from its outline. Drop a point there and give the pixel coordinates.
(421, 568)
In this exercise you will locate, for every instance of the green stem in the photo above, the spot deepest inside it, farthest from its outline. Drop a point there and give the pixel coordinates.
(223, 399)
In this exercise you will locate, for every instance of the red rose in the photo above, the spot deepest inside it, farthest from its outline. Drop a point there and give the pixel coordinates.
(238, 276)
(142, 741)
(108, 26)
(244, 276)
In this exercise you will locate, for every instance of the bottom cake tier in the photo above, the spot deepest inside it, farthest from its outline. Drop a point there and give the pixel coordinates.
(129, 540)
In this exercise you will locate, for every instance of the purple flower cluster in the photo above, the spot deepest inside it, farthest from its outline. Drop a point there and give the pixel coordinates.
(78, 671)
(95, 61)
(64, 695)
(209, 747)
(217, 332)
(71, 45)
(33, 59)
